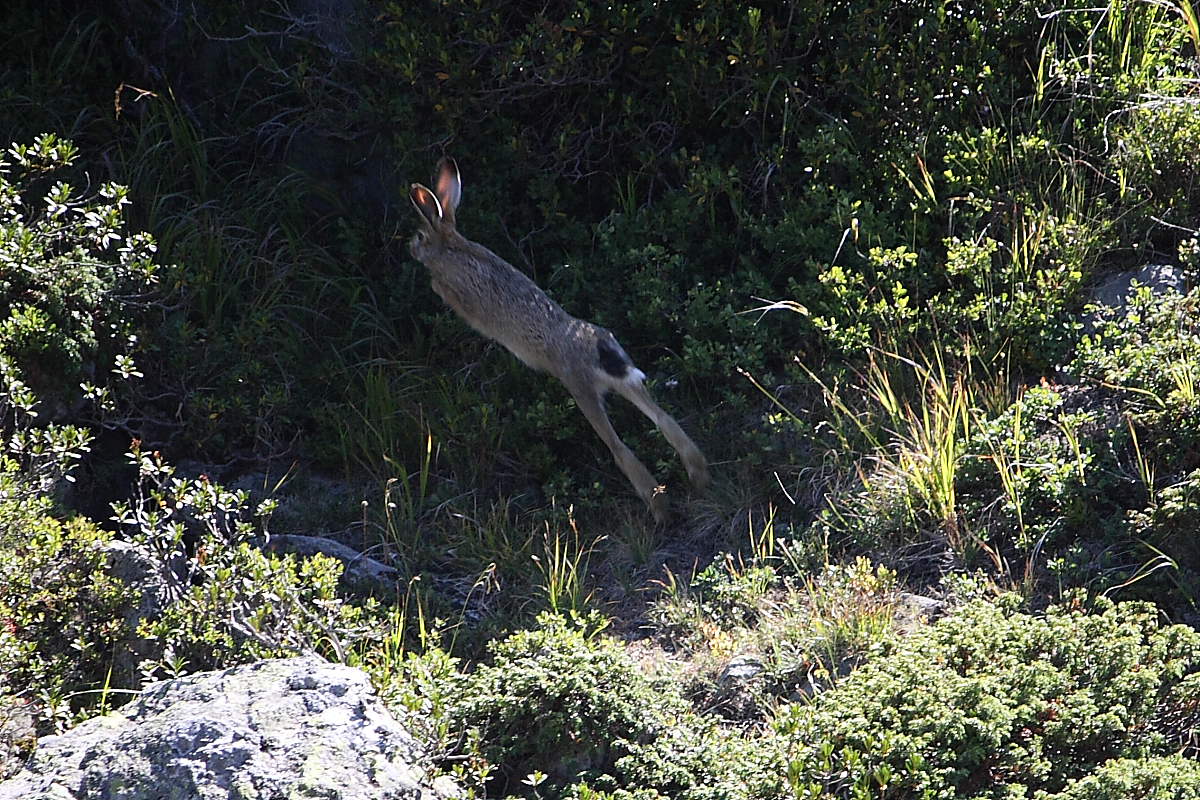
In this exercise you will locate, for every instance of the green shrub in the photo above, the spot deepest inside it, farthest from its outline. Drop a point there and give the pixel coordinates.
(419, 687)
(70, 275)
(693, 758)
(729, 592)
(230, 602)
(60, 614)
(563, 704)
(35, 457)
(819, 634)
(994, 703)
(1147, 361)
(981, 297)
(71, 282)
(1088, 485)
(560, 699)
(1025, 482)
(1152, 154)
(1165, 778)
(1150, 352)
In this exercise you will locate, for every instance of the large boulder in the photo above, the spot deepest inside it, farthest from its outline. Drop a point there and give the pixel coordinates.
(286, 728)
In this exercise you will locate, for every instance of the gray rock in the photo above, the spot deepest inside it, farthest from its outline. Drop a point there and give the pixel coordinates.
(1114, 292)
(17, 734)
(738, 693)
(918, 605)
(361, 573)
(148, 592)
(287, 728)
(914, 611)
(742, 669)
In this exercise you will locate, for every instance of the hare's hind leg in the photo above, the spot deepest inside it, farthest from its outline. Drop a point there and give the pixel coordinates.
(633, 390)
(591, 402)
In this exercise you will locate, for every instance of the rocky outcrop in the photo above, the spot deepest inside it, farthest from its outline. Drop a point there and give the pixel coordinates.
(287, 728)
(1115, 291)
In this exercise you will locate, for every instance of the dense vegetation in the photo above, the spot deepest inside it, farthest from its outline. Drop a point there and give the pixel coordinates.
(852, 243)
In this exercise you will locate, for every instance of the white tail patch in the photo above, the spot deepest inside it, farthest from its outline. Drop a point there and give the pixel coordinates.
(633, 377)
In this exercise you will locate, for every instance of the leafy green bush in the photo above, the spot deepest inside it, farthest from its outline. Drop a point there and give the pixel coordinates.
(70, 274)
(729, 592)
(71, 278)
(73, 282)
(1089, 484)
(228, 601)
(1147, 361)
(560, 699)
(1150, 353)
(1164, 778)
(981, 296)
(419, 687)
(563, 704)
(1025, 482)
(1165, 133)
(994, 703)
(60, 613)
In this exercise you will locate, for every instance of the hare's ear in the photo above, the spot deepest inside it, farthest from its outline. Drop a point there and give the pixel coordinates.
(448, 187)
(427, 203)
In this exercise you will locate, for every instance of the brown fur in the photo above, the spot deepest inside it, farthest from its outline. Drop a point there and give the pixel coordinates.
(503, 304)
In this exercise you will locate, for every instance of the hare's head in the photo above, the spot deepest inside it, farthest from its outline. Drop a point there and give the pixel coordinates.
(436, 208)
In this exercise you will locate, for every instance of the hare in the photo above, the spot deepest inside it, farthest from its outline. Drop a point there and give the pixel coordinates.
(500, 302)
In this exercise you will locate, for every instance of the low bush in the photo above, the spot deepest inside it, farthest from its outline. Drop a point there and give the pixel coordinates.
(72, 281)
(565, 706)
(1086, 483)
(561, 699)
(806, 630)
(1149, 352)
(1031, 475)
(1159, 778)
(61, 616)
(993, 703)
(228, 601)
(1146, 362)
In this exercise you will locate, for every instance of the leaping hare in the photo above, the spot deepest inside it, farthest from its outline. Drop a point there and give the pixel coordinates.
(503, 304)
